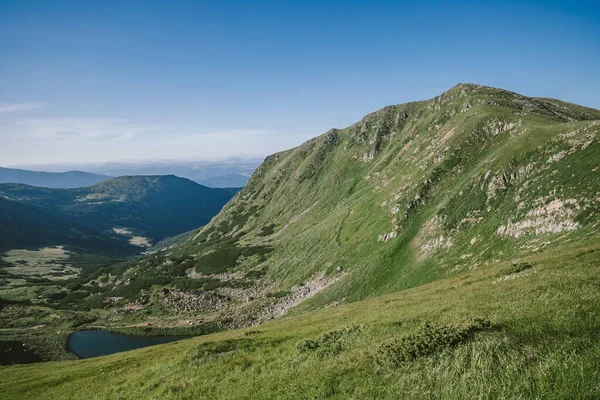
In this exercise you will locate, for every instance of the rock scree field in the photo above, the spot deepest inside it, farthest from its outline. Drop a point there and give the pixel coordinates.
(447, 248)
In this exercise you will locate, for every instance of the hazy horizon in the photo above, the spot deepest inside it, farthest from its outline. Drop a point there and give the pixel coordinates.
(64, 166)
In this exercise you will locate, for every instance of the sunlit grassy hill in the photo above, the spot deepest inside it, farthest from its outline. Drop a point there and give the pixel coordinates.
(410, 194)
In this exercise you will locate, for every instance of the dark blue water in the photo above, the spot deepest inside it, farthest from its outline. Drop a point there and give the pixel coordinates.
(95, 343)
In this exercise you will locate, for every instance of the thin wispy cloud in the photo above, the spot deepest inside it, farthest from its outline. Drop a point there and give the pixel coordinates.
(78, 139)
(82, 128)
(9, 108)
(233, 133)
(117, 129)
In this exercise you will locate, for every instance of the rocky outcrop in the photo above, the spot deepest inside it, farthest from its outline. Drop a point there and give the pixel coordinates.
(193, 300)
(554, 217)
(300, 293)
(384, 237)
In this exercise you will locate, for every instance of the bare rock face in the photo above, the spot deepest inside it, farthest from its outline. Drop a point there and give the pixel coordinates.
(503, 179)
(384, 237)
(554, 217)
(432, 237)
(495, 127)
(436, 243)
(368, 156)
(300, 293)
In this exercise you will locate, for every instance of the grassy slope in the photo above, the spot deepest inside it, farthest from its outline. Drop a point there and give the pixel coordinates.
(459, 166)
(542, 344)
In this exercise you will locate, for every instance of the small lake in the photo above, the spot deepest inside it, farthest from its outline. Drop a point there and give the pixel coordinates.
(95, 343)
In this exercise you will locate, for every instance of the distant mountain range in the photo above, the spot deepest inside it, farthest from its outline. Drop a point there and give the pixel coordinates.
(62, 180)
(233, 172)
(152, 207)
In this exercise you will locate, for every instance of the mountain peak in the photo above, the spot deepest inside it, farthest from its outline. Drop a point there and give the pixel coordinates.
(407, 194)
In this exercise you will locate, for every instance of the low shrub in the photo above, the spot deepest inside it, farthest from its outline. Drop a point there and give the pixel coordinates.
(428, 340)
(267, 230)
(198, 330)
(256, 273)
(517, 267)
(210, 350)
(280, 294)
(218, 261)
(206, 352)
(225, 258)
(329, 343)
(260, 251)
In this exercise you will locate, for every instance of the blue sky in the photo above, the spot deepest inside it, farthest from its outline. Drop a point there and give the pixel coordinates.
(84, 81)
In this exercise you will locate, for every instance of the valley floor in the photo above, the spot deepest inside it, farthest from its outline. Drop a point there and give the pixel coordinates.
(505, 331)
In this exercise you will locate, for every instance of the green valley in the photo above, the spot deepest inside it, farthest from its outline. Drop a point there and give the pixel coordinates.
(151, 206)
(54, 242)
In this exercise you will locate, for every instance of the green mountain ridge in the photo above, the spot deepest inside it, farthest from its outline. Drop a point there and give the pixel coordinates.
(410, 194)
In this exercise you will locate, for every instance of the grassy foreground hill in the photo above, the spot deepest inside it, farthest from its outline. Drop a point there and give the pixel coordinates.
(541, 342)
(437, 249)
